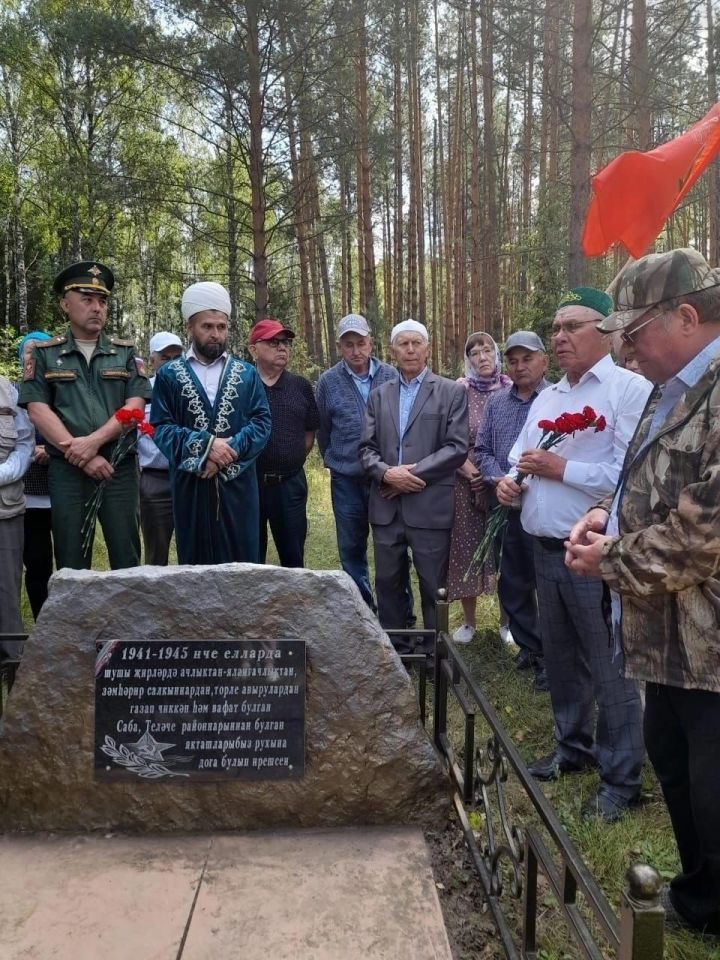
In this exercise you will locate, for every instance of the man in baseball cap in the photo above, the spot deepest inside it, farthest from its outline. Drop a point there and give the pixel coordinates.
(342, 395)
(656, 543)
(282, 483)
(156, 511)
(505, 414)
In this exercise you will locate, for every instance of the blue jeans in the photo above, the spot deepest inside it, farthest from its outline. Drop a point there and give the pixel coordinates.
(350, 498)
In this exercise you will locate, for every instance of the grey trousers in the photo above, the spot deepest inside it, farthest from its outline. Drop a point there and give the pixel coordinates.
(582, 673)
(156, 516)
(11, 566)
(430, 555)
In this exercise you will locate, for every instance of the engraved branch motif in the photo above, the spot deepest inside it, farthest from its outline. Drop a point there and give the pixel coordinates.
(147, 769)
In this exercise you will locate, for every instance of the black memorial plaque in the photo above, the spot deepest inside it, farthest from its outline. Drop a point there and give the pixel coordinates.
(180, 710)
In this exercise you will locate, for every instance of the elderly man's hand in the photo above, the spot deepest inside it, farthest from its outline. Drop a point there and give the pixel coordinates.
(222, 453)
(595, 520)
(211, 470)
(508, 491)
(585, 558)
(40, 455)
(402, 481)
(80, 450)
(99, 468)
(542, 463)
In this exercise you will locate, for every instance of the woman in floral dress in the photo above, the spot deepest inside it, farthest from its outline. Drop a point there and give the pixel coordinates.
(482, 378)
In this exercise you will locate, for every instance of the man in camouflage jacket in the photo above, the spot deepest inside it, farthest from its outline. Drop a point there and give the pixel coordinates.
(656, 543)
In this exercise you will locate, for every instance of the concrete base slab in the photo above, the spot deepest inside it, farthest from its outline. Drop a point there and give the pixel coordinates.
(322, 894)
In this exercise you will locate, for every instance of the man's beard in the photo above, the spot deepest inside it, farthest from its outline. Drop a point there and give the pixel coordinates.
(210, 351)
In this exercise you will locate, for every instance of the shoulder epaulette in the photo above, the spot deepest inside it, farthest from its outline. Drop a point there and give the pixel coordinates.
(119, 342)
(43, 344)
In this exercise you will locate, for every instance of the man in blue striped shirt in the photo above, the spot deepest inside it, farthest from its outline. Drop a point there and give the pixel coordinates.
(505, 416)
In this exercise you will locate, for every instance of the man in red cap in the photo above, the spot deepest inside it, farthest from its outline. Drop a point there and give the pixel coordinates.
(295, 419)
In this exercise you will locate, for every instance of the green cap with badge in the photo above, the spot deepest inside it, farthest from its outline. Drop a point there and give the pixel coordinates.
(653, 280)
(86, 276)
(586, 297)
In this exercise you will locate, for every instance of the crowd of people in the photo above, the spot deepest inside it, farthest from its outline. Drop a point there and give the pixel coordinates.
(607, 569)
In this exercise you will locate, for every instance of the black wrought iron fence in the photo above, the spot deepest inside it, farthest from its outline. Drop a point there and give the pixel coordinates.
(501, 848)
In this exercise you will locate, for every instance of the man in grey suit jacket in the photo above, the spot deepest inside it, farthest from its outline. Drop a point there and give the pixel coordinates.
(414, 438)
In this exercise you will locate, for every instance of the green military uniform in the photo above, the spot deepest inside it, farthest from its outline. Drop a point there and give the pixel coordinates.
(84, 395)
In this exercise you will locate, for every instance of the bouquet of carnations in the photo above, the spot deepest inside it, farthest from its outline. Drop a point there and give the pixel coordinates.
(132, 421)
(553, 433)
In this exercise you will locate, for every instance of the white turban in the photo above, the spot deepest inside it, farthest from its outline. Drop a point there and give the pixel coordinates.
(409, 326)
(205, 296)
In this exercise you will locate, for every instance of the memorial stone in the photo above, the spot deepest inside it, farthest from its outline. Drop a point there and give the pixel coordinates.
(367, 759)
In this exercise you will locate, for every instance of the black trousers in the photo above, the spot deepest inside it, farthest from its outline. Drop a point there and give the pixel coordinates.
(682, 735)
(156, 516)
(283, 506)
(431, 556)
(38, 556)
(516, 586)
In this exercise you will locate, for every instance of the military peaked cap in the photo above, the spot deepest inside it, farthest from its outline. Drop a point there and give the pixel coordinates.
(87, 276)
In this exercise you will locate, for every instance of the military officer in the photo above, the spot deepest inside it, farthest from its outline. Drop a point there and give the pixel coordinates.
(72, 386)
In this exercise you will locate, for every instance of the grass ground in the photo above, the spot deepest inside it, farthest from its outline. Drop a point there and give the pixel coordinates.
(645, 835)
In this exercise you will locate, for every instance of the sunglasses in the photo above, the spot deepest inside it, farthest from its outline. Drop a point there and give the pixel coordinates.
(629, 338)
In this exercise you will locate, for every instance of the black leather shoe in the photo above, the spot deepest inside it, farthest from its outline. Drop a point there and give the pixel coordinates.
(607, 808)
(524, 660)
(675, 920)
(553, 766)
(541, 684)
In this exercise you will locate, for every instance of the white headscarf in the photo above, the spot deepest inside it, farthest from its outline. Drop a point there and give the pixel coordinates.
(206, 295)
(409, 326)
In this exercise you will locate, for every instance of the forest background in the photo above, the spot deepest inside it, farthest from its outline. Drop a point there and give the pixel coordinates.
(420, 158)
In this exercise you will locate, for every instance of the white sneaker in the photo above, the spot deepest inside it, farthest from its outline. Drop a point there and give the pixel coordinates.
(464, 634)
(505, 634)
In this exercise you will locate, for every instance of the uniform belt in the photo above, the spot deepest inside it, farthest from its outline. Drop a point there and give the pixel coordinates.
(272, 479)
(551, 543)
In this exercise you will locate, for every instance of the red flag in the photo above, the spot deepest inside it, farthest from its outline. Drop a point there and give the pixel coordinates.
(636, 192)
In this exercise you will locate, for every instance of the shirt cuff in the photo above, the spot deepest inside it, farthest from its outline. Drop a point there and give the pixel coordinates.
(576, 473)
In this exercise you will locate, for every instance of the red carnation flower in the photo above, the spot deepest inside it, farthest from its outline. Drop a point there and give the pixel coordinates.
(563, 424)
(579, 421)
(147, 429)
(546, 424)
(137, 415)
(600, 424)
(124, 416)
(589, 415)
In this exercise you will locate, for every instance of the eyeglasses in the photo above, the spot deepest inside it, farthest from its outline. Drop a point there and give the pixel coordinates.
(277, 344)
(629, 338)
(481, 352)
(568, 326)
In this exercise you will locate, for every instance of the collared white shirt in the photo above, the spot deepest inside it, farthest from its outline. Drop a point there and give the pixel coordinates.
(208, 374)
(149, 457)
(550, 508)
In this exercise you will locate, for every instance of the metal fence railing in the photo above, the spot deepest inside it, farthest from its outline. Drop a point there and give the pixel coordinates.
(509, 859)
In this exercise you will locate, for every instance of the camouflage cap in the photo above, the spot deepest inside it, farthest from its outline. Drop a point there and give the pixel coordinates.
(653, 279)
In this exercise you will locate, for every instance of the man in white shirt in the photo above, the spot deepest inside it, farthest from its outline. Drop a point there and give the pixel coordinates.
(581, 667)
(156, 512)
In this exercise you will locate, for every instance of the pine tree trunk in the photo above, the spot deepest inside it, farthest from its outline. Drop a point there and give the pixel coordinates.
(476, 243)
(258, 200)
(492, 239)
(580, 142)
